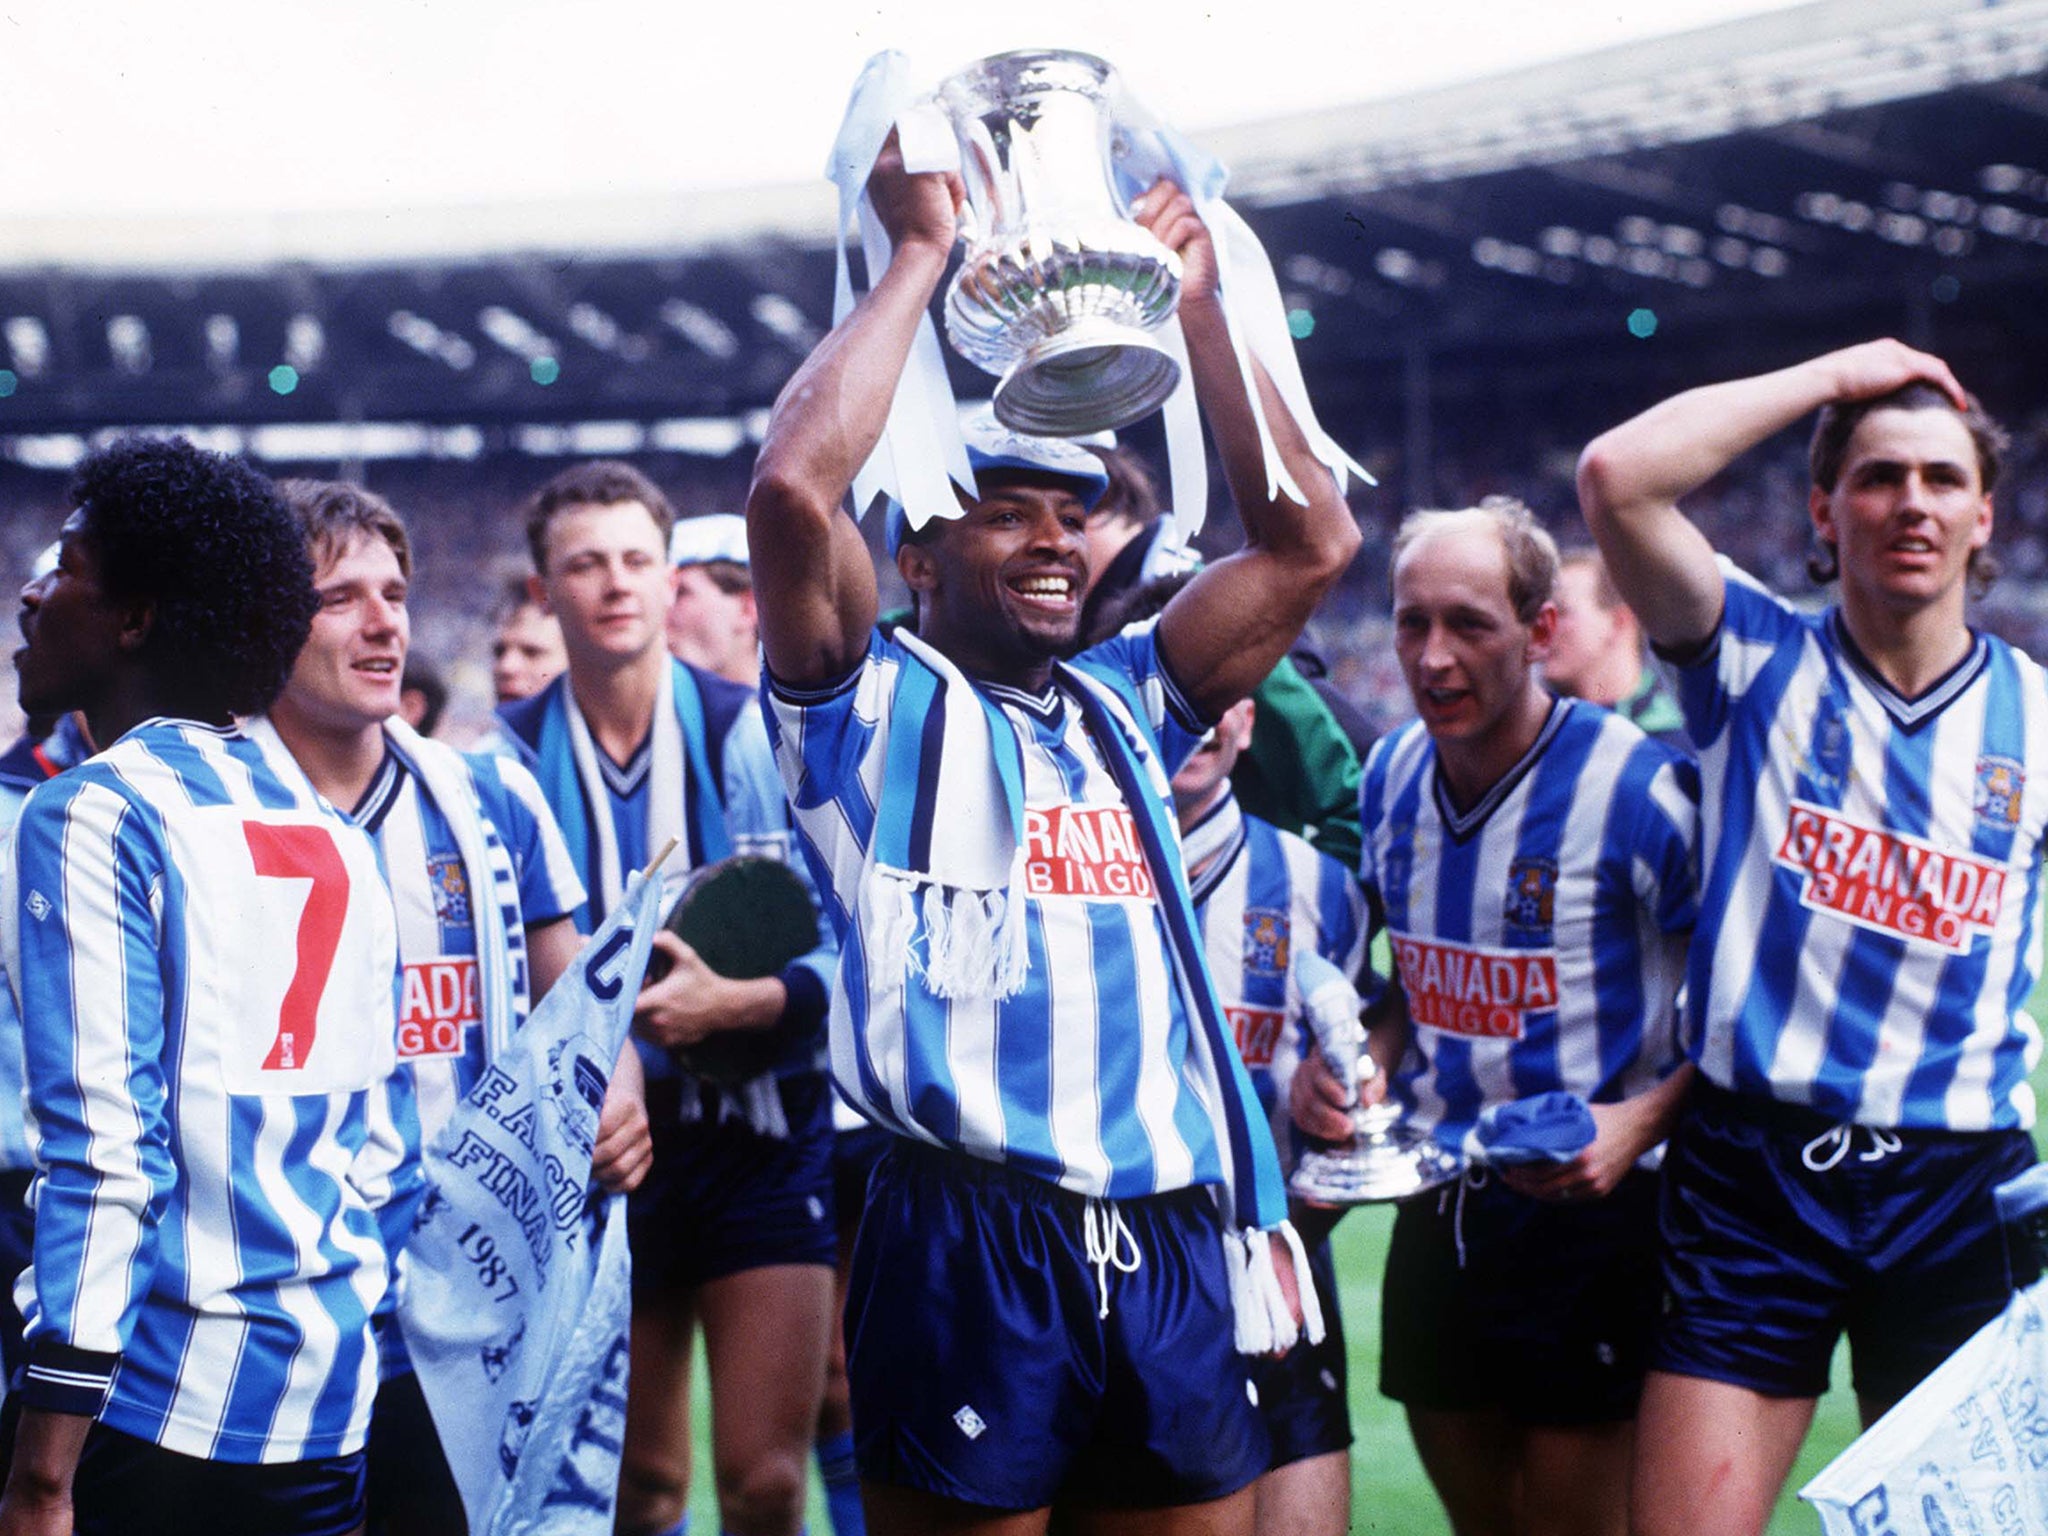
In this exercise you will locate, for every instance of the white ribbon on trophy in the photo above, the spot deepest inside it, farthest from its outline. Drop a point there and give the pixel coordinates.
(921, 454)
(921, 447)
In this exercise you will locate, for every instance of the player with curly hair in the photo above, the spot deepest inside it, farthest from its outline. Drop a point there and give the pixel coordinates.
(196, 942)
(194, 536)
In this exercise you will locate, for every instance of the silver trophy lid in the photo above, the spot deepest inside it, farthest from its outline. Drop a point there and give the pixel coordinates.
(1002, 81)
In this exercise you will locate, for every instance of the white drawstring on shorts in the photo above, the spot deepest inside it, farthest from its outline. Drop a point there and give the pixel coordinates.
(1109, 1238)
(1832, 1145)
(1475, 1176)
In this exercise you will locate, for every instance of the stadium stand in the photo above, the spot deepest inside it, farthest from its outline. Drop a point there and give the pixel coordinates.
(1479, 277)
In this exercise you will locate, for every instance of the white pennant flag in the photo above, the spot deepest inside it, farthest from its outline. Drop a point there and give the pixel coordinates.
(514, 1291)
(1966, 1451)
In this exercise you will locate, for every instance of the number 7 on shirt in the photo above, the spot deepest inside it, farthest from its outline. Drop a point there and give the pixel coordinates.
(303, 852)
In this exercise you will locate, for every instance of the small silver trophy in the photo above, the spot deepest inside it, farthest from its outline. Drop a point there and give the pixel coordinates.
(1059, 291)
(1384, 1160)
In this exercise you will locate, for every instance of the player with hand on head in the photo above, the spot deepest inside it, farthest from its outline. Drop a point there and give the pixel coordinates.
(734, 1225)
(1532, 861)
(204, 957)
(479, 876)
(1045, 1293)
(1875, 798)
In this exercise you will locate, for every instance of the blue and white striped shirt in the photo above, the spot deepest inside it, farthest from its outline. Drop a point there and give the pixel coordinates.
(1871, 892)
(1540, 935)
(22, 767)
(206, 963)
(441, 1037)
(1261, 899)
(1080, 1078)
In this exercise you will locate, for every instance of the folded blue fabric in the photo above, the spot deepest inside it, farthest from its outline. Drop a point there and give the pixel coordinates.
(1544, 1128)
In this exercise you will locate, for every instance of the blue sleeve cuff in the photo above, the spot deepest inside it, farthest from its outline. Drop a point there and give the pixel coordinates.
(806, 1002)
(62, 1379)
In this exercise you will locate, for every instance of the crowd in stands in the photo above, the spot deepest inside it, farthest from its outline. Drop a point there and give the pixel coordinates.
(469, 545)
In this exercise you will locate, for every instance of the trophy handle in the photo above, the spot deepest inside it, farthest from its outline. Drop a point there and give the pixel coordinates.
(1384, 1159)
(980, 168)
(1122, 184)
(1332, 1009)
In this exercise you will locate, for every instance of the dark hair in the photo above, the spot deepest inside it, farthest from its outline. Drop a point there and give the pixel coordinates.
(515, 595)
(729, 576)
(424, 678)
(1839, 420)
(209, 544)
(1133, 495)
(599, 483)
(334, 513)
(1829, 449)
(1134, 605)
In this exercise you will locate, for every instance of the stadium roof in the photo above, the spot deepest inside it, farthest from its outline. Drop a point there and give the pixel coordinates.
(1762, 188)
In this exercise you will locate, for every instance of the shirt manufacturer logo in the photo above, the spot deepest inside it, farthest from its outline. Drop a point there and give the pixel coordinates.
(1072, 850)
(1891, 882)
(970, 1423)
(1258, 1033)
(38, 905)
(1464, 989)
(439, 1009)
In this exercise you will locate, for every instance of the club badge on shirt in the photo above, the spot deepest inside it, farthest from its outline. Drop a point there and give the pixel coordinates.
(1531, 905)
(450, 886)
(1268, 941)
(2001, 782)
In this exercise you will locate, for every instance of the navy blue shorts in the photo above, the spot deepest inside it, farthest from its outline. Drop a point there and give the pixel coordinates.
(17, 1243)
(410, 1485)
(1782, 1230)
(1539, 1309)
(1304, 1394)
(722, 1197)
(131, 1487)
(982, 1371)
(854, 1155)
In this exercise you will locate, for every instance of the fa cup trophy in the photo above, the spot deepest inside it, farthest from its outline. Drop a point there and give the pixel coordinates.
(1059, 292)
(1384, 1159)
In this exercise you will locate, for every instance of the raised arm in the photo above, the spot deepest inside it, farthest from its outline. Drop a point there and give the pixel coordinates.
(814, 583)
(1231, 625)
(1631, 478)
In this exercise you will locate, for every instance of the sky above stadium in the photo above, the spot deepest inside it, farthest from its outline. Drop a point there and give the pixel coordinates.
(115, 107)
